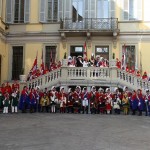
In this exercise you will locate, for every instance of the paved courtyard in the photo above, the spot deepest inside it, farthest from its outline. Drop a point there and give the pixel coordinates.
(73, 132)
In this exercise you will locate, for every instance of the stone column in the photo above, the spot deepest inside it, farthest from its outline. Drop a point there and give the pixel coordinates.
(113, 74)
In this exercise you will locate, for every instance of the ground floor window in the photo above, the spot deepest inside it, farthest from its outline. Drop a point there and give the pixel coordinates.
(50, 55)
(129, 51)
(103, 51)
(76, 51)
(17, 62)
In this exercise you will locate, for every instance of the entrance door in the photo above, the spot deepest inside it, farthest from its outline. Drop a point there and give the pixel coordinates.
(76, 51)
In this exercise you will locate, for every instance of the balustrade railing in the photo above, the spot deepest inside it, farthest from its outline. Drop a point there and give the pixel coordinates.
(46, 80)
(66, 74)
(132, 81)
(90, 24)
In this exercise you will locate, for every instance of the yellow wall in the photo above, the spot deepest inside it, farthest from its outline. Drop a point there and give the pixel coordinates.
(34, 13)
(145, 56)
(4, 60)
(31, 50)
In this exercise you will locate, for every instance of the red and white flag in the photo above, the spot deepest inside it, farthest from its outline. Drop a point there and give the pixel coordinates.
(123, 61)
(42, 64)
(85, 51)
(33, 69)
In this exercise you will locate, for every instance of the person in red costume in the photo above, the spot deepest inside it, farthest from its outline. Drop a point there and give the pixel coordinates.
(101, 101)
(77, 99)
(93, 97)
(138, 74)
(8, 88)
(62, 100)
(118, 63)
(145, 77)
(15, 85)
(108, 101)
(3, 88)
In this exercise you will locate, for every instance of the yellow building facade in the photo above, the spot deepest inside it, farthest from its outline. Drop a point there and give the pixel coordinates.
(28, 27)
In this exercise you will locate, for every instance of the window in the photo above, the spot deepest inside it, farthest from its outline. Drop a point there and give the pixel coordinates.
(103, 51)
(129, 56)
(52, 11)
(77, 10)
(49, 10)
(50, 55)
(132, 9)
(102, 9)
(76, 51)
(17, 62)
(17, 11)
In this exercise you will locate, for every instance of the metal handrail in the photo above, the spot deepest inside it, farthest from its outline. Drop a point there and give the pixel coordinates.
(110, 24)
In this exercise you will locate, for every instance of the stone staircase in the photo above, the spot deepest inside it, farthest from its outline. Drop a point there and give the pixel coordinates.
(90, 76)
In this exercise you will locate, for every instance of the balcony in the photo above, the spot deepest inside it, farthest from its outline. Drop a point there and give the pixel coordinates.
(97, 26)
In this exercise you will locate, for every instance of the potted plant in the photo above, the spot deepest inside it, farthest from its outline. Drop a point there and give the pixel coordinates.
(22, 76)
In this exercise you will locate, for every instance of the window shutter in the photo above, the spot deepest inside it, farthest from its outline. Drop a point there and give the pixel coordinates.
(60, 9)
(0, 8)
(68, 8)
(139, 9)
(26, 10)
(86, 8)
(112, 8)
(126, 10)
(9, 11)
(43, 4)
(93, 8)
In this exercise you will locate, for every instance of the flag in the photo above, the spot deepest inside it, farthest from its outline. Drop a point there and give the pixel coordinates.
(33, 69)
(42, 64)
(123, 62)
(84, 52)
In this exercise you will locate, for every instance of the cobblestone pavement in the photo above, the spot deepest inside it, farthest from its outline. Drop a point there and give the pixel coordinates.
(45, 131)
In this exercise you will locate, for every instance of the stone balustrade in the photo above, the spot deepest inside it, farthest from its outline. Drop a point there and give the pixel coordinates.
(90, 76)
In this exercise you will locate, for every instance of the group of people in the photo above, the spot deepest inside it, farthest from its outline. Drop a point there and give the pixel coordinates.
(38, 72)
(9, 97)
(78, 101)
(84, 62)
(132, 70)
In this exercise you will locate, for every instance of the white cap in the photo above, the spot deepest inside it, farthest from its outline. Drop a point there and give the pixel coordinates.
(69, 90)
(92, 54)
(78, 87)
(97, 56)
(37, 87)
(53, 87)
(100, 89)
(107, 89)
(147, 90)
(61, 88)
(69, 57)
(124, 88)
(115, 89)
